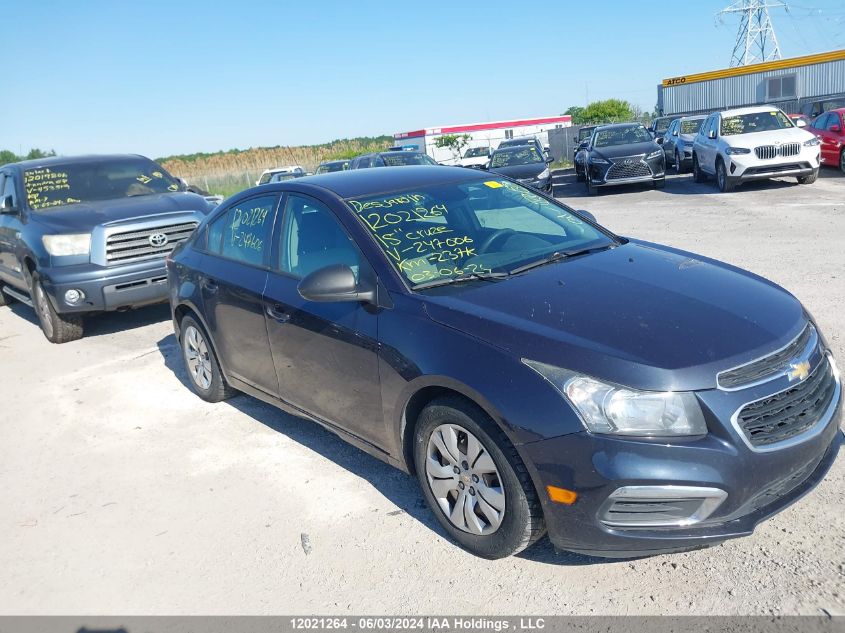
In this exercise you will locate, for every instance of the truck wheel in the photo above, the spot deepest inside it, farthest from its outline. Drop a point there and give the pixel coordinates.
(474, 480)
(808, 180)
(204, 373)
(4, 298)
(58, 328)
(697, 175)
(725, 183)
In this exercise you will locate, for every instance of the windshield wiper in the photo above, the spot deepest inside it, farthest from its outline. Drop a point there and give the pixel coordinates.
(560, 255)
(456, 280)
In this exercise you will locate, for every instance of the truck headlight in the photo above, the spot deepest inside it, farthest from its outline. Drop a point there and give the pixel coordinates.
(60, 245)
(543, 174)
(615, 410)
(811, 142)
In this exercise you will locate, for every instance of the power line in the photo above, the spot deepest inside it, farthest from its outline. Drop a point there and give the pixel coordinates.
(755, 40)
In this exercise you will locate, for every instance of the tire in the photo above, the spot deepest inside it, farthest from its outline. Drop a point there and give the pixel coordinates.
(579, 177)
(722, 180)
(4, 298)
(842, 160)
(591, 188)
(808, 180)
(499, 524)
(679, 165)
(660, 183)
(697, 175)
(201, 364)
(58, 328)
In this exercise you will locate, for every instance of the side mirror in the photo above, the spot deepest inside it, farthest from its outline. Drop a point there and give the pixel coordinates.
(549, 160)
(836, 129)
(711, 134)
(659, 140)
(8, 205)
(586, 215)
(484, 166)
(334, 283)
(800, 123)
(583, 145)
(675, 133)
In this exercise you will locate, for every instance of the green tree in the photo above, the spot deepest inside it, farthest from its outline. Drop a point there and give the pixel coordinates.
(8, 157)
(37, 153)
(455, 142)
(576, 112)
(607, 111)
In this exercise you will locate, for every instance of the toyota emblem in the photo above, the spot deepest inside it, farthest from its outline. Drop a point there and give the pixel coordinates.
(158, 240)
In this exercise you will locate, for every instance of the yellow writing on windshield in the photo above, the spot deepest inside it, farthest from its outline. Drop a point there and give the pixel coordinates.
(44, 188)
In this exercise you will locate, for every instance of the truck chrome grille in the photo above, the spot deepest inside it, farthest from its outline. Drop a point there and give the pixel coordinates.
(789, 413)
(767, 152)
(132, 246)
(770, 365)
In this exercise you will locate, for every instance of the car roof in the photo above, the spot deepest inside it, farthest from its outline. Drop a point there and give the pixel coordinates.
(693, 117)
(353, 183)
(64, 160)
(617, 126)
(749, 110)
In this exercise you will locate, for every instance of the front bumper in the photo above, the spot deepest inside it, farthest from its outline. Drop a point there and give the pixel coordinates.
(747, 167)
(106, 288)
(614, 173)
(755, 485)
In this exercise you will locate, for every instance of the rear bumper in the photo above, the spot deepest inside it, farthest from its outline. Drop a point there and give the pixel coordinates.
(106, 288)
(754, 486)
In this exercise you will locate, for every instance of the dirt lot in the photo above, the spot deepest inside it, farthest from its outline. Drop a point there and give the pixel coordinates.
(121, 492)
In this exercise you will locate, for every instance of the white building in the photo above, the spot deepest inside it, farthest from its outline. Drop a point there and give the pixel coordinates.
(488, 134)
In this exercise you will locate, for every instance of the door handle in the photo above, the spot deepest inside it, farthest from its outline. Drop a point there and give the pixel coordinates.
(277, 313)
(209, 284)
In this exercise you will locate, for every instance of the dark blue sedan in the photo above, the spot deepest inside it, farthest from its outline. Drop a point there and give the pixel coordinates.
(536, 372)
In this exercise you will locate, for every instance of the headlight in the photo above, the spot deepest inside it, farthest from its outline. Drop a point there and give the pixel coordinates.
(737, 150)
(615, 410)
(811, 142)
(59, 245)
(598, 161)
(543, 174)
(654, 154)
(687, 144)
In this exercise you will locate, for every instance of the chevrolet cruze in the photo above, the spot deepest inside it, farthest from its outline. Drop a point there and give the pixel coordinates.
(536, 372)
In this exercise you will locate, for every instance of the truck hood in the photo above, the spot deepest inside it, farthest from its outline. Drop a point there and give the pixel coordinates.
(641, 315)
(83, 217)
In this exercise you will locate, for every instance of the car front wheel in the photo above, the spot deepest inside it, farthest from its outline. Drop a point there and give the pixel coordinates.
(679, 166)
(725, 184)
(474, 481)
(697, 174)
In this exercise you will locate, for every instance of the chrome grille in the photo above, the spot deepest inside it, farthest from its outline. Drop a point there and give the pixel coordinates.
(628, 167)
(789, 413)
(132, 246)
(767, 152)
(770, 365)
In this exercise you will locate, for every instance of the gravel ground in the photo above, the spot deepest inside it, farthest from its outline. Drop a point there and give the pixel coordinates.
(124, 493)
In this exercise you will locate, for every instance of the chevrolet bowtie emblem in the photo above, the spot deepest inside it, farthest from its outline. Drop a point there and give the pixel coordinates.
(798, 371)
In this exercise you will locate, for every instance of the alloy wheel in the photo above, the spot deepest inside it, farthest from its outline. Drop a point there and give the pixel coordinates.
(197, 358)
(464, 480)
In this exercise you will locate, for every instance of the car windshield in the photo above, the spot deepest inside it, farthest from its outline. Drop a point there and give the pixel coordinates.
(584, 133)
(609, 137)
(692, 126)
(73, 182)
(394, 159)
(325, 168)
(662, 125)
(474, 152)
(458, 230)
(519, 155)
(755, 122)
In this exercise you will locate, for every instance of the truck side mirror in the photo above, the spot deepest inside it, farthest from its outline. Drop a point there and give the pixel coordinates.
(8, 205)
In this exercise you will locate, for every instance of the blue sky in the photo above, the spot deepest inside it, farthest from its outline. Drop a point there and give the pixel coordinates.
(162, 77)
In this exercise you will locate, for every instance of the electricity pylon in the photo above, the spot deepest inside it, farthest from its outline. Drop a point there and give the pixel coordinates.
(756, 40)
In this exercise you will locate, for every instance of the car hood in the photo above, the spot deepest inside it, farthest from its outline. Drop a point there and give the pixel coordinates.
(630, 149)
(530, 170)
(85, 216)
(476, 160)
(689, 138)
(754, 139)
(641, 315)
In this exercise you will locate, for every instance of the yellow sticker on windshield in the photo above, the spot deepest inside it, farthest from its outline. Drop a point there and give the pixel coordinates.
(493, 184)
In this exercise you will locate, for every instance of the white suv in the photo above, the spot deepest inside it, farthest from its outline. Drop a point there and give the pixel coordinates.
(752, 144)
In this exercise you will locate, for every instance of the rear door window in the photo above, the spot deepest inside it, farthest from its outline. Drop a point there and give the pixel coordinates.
(242, 232)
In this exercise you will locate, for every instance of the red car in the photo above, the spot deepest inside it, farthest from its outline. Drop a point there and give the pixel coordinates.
(830, 128)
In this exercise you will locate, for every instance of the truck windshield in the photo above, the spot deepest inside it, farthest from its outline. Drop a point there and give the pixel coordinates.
(469, 229)
(85, 181)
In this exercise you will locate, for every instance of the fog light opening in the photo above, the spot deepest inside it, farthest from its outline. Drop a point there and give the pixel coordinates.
(74, 297)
